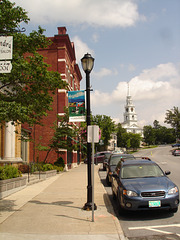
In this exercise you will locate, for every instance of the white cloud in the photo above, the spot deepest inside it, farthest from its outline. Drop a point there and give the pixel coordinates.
(153, 92)
(81, 48)
(102, 73)
(108, 13)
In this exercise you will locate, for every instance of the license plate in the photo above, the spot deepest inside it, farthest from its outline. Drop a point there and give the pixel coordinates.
(154, 203)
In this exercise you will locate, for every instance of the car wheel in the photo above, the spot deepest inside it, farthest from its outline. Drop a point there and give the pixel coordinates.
(173, 210)
(107, 181)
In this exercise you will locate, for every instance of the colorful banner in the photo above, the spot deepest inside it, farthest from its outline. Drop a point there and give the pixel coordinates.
(76, 102)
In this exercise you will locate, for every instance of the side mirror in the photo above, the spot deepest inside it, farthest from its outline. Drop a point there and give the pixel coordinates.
(167, 172)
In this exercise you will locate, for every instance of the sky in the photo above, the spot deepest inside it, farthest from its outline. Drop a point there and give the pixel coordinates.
(135, 42)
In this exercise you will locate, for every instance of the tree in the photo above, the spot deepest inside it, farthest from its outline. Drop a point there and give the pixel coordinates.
(156, 124)
(135, 140)
(26, 92)
(120, 136)
(65, 134)
(149, 135)
(173, 118)
(107, 126)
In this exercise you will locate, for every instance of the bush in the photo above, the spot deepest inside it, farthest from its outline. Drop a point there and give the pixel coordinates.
(47, 167)
(59, 169)
(8, 171)
(60, 162)
(24, 168)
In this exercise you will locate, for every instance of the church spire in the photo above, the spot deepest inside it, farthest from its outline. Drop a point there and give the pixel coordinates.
(128, 91)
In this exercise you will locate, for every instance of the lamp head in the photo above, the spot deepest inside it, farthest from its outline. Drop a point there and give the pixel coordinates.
(87, 62)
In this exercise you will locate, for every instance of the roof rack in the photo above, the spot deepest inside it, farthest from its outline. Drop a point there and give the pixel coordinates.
(147, 158)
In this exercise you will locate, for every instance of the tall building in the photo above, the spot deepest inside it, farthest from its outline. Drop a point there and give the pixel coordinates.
(60, 55)
(130, 117)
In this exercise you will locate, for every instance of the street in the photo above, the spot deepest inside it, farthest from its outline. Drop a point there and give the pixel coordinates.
(156, 224)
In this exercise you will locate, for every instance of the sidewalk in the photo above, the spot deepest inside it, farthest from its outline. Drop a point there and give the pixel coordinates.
(52, 210)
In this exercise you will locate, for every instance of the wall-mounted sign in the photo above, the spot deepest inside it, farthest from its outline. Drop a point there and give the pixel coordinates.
(6, 47)
(5, 66)
(76, 102)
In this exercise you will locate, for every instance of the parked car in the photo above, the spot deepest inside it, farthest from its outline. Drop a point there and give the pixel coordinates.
(106, 159)
(142, 185)
(176, 152)
(112, 163)
(176, 145)
(98, 157)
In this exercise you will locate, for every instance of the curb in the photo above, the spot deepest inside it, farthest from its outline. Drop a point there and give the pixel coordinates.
(115, 219)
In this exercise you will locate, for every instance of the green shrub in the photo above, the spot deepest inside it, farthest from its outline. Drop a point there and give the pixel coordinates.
(47, 167)
(60, 162)
(8, 171)
(59, 169)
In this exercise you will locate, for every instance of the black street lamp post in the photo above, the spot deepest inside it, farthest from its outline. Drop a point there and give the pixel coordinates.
(87, 65)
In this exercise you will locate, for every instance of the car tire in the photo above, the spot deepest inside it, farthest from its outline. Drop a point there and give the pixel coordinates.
(173, 210)
(107, 181)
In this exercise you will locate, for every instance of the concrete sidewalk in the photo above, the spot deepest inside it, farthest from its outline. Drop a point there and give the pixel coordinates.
(52, 210)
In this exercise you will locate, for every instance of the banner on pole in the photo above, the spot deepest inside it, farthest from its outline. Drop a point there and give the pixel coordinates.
(76, 103)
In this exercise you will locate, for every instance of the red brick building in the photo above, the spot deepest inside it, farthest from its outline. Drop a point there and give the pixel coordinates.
(61, 56)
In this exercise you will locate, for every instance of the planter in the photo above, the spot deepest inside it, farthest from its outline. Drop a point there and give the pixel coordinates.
(47, 174)
(12, 185)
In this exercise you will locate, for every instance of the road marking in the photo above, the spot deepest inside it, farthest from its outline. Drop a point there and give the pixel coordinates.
(153, 228)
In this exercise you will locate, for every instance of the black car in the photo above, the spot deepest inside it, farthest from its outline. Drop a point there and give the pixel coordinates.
(142, 185)
(106, 159)
(112, 163)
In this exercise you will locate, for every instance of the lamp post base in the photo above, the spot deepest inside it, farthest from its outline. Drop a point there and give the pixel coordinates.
(88, 206)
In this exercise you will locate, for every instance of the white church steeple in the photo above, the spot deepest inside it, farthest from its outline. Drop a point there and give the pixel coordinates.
(130, 116)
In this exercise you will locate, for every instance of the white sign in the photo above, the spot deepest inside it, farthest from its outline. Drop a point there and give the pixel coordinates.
(5, 66)
(6, 47)
(93, 134)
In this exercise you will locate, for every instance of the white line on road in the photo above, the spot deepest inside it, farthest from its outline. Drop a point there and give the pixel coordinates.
(153, 228)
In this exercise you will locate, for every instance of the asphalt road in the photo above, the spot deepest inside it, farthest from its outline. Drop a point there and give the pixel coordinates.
(152, 225)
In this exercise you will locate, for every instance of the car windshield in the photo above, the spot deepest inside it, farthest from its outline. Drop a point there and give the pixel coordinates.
(115, 159)
(141, 171)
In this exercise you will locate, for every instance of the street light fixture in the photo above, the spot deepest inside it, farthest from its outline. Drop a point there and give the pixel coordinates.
(87, 65)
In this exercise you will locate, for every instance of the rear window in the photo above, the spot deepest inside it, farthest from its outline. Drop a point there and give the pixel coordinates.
(115, 159)
(141, 171)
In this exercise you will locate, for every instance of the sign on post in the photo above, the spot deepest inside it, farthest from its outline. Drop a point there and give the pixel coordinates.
(93, 134)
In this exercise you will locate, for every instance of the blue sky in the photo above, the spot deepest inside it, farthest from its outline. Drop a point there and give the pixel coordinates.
(135, 41)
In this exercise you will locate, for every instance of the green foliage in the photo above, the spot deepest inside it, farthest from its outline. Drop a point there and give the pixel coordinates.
(127, 140)
(149, 135)
(173, 118)
(58, 168)
(47, 167)
(158, 134)
(60, 162)
(106, 125)
(26, 92)
(11, 17)
(65, 134)
(8, 171)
